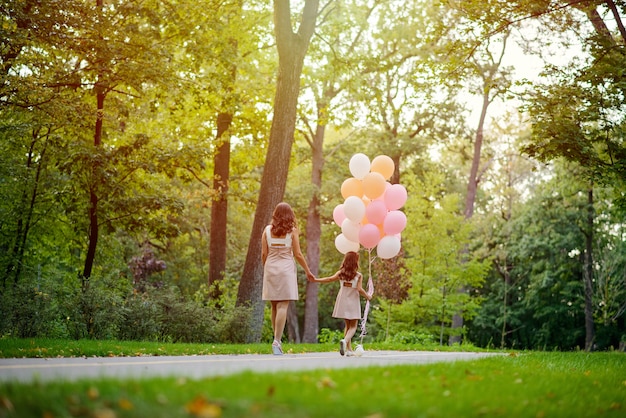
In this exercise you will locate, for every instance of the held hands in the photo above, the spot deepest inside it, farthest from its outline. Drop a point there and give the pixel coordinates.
(310, 277)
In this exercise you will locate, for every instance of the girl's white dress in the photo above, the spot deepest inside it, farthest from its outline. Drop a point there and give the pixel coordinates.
(279, 272)
(348, 302)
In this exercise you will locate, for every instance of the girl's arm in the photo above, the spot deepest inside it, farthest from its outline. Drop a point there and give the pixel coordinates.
(328, 279)
(359, 287)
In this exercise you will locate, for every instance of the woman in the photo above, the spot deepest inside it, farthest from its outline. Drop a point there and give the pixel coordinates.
(280, 245)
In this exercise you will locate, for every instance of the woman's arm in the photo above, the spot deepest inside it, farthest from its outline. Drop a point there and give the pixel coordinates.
(297, 253)
(264, 248)
(359, 287)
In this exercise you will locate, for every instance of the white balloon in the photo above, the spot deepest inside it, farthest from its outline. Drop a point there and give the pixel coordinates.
(388, 247)
(359, 165)
(350, 229)
(354, 209)
(344, 245)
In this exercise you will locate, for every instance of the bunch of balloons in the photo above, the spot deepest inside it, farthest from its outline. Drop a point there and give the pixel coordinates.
(370, 214)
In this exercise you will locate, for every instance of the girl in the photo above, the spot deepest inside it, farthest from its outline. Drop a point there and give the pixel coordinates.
(348, 303)
(280, 244)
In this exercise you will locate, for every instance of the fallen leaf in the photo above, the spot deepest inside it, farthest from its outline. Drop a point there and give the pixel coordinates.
(6, 403)
(326, 382)
(93, 393)
(125, 404)
(202, 408)
(104, 413)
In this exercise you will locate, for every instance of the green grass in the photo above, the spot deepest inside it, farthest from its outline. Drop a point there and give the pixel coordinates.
(47, 348)
(537, 384)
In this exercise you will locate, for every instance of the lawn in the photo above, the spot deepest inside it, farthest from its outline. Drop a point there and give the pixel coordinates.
(520, 384)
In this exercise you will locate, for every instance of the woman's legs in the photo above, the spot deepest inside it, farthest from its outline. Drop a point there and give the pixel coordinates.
(279, 318)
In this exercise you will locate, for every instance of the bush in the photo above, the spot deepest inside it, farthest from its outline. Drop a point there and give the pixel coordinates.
(413, 337)
(94, 312)
(182, 321)
(26, 311)
(329, 336)
(139, 319)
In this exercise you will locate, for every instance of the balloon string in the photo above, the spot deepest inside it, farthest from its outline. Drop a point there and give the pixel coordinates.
(370, 292)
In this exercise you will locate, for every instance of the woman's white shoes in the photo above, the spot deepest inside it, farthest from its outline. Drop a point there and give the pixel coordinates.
(277, 350)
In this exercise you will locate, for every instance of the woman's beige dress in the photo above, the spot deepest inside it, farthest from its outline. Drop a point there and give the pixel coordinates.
(279, 272)
(348, 302)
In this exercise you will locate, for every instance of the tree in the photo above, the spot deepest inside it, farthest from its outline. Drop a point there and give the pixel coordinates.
(435, 260)
(334, 57)
(579, 116)
(292, 47)
(494, 82)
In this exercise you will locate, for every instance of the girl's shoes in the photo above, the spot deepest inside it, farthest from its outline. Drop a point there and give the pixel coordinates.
(350, 353)
(342, 347)
(277, 350)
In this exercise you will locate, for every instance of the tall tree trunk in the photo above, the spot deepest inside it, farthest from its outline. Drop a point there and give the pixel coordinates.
(219, 205)
(292, 48)
(589, 8)
(470, 199)
(16, 253)
(101, 92)
(293, 327)
(221, 175)
(314, 234)
(588, 275)
(93, 196)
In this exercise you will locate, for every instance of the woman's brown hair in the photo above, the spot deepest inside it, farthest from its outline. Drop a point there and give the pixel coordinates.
(283, 220)
(350, 266)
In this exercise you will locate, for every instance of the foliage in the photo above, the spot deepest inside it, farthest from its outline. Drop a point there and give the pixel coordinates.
(412, 337)
(328, 336)
(435, 259)
(543, 248)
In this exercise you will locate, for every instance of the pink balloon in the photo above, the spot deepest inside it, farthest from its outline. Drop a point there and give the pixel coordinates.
(369, 235)
(394, 223)
(395, 196)
(376, 212)
(388, 247)
(338, 215)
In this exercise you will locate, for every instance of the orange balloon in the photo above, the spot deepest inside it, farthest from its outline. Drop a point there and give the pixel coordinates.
(352, 187)
(374, 185)
(384, 165)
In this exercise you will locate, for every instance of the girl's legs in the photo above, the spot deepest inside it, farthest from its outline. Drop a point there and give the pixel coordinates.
(349, 332)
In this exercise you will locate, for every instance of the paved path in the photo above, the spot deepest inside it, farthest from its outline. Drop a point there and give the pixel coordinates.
(195, 367)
